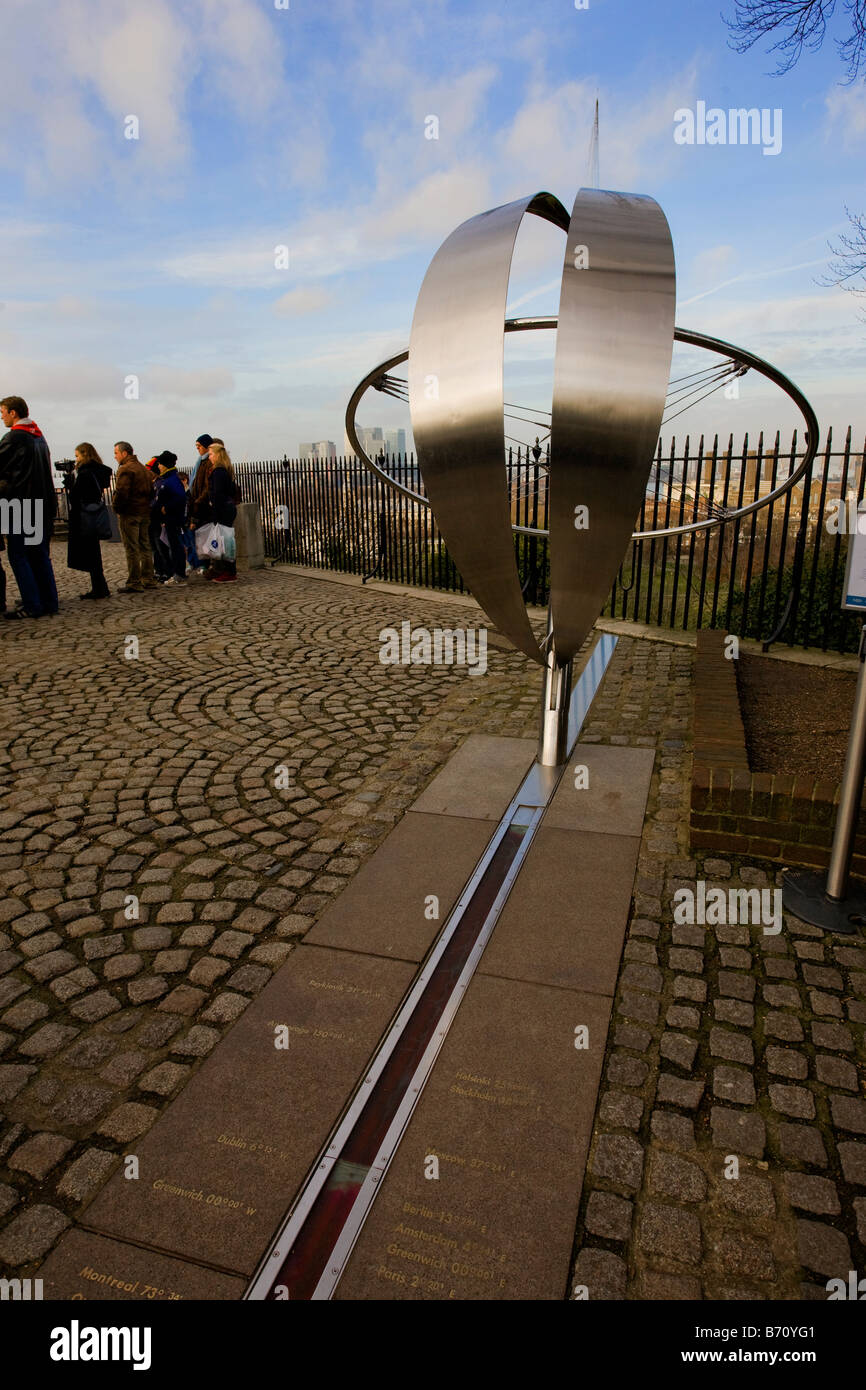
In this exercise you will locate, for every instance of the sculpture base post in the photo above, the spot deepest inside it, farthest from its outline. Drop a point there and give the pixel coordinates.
(555, 706)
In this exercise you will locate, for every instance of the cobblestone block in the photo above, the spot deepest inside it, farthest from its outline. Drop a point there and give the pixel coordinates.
(811, 1193)
(231, 944)
(782, 996)
(803, 1144)
(20, 1016)
(642, 977)
(619, 1109)
(785, 1027)
(95, 1006)
(732, 1084)
(748, 1195)
(172, 962)
(679, 1049)
(164, 1079)
(601, 1273)
(784, 1061)
(745, 1255)
(46, 967)
(734, 1011)
(128, 1122)
(639, 1006)
(622, 1070)
(670, 1233)
(225, 1008)
(31, 1234)
(738, 1132)
(122, 967)
(734, 1047)
(124, 1068)
(823, 1249)
(47, 1040)
(678, 1016)
(735, 986)
(674, 1090)
(619, 1158)
(151, 938)
(628, 1035)
(795, 1101)
(39, 1154)
(609, 1216)
(672, 1129)
(690, 961)
(849, 1113)
(672, 1176)
(183, 999)
(852, 1156)
(658, 1285)
(148, 988)
(198, 1042)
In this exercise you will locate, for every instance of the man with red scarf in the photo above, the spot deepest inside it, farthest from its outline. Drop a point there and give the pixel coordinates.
(26, 479)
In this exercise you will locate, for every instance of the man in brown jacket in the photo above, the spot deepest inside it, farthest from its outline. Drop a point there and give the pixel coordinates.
(133, 490)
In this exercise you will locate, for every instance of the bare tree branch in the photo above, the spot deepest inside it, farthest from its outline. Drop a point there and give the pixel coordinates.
(848, 268)
(803, 24)
(799, 24)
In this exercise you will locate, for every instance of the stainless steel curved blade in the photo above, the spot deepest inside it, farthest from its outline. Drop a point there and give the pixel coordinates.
(456, 400)
(613, 355)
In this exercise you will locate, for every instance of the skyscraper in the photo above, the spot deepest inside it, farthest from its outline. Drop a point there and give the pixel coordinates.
(395, 441)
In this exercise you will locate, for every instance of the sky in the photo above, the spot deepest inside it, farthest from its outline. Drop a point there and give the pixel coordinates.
(143, 295)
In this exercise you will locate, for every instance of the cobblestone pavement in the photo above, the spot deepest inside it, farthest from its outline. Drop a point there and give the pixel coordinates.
(152, 778)
(726, 1043)
(155, 777)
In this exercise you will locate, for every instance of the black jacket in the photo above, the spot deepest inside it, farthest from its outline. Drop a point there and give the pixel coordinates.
(25, 470)
(223, 495)
(86, 487)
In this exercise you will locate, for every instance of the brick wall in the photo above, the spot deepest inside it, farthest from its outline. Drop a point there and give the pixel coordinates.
(735, 811)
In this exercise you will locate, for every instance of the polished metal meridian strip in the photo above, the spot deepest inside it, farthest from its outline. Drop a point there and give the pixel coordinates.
(313, 1245)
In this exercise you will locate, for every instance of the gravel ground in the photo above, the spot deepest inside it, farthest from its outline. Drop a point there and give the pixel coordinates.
(796, 717)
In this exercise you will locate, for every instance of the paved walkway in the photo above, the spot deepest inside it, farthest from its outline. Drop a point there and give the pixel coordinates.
(155, 777)
(148, 784)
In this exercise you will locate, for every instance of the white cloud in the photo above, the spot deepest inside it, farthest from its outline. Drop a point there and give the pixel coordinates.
(302, 301)
(766, 273)
(434, 206)
(710, 264)
(846, 112)
(109, 59)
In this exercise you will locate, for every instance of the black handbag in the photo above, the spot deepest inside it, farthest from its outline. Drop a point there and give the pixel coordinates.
(95, 520)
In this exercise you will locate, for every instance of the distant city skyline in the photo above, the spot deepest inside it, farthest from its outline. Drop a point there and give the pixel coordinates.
(376, 439)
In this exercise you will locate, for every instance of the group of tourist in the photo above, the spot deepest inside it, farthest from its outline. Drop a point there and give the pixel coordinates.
(170, 524)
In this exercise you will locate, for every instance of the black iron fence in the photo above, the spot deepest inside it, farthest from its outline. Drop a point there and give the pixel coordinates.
(774, 575)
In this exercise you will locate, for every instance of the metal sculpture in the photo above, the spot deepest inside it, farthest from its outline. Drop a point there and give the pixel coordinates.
(615, 336)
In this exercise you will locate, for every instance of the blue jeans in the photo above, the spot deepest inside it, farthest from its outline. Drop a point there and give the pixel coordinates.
(189, 547)
(175, 549)
(34, 575)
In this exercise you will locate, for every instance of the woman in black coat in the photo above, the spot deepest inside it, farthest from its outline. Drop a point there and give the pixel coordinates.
(91, 479)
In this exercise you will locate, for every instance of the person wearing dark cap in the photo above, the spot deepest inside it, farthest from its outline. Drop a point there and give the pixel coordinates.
(168, 511)
(202, 445)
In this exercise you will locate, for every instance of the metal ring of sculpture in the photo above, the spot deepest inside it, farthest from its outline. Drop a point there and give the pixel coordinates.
(681, 335)
(615, 336)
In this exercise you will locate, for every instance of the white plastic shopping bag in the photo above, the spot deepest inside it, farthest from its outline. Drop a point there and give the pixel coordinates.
(228, 536)
(209, 541)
